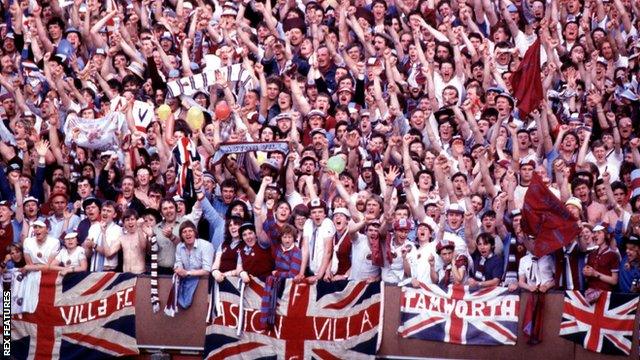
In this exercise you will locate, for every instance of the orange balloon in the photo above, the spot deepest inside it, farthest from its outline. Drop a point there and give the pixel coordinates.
(222, 110)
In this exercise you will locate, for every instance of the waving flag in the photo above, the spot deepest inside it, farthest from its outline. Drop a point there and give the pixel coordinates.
(337, 320)
(527, 81)
(458, 315)
(546, 219)
(79, 316)
(96, 134)
(605, 327)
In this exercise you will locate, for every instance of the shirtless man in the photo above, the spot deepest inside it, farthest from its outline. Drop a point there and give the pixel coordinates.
(133, 243)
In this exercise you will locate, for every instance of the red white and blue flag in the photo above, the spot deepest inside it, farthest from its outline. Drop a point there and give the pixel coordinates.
(336, 320)
(459, 315)
(79, 316)
(605, 327)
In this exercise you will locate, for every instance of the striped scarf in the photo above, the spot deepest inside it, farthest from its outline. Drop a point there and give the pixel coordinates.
(270, 301)
(240, 81)
(155, 300)
(185, 152)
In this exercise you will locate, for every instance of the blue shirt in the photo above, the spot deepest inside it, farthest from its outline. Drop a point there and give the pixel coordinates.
(626, 277)
(493, 267)
(200, 256)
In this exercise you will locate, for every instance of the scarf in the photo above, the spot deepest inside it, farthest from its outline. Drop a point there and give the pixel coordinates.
(155, 300)
(269, 304)
(181, 294)
(185, 152)
(245, 147)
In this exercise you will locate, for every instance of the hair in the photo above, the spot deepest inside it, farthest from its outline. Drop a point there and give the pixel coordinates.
(229, 183)
(130, 213)
(187, 224)
(428, 172)
(288, 229)
(488, 238)
(112, 204)
(234, 203)
(168, 200)
(231, 219)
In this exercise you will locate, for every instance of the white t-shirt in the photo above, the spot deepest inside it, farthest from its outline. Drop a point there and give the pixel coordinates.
(393, 272)
(362, 266)
(40, 254)
(419, 262)
(539, 273)
(315, 235)
(73, 258)
(113, 233)
(612, 165)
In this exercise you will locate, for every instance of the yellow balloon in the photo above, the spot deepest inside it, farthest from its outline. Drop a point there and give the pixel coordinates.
(195, 118)
(163, 112)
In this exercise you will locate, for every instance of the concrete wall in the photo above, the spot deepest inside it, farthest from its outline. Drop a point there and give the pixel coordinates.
(187, 331)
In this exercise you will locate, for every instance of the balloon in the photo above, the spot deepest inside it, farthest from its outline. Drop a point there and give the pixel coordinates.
(261, 156)
(195, 118)
(163, 112)
(222, 111)
(336, 163)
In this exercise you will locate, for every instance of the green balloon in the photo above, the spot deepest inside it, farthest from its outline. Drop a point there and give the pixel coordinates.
(336, 163)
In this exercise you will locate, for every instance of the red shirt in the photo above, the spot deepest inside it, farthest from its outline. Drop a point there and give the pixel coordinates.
(605, 262)
(343, 253)
(228, 258)
(257, 261)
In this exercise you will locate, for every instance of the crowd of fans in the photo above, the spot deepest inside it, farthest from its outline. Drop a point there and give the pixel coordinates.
(406, 157)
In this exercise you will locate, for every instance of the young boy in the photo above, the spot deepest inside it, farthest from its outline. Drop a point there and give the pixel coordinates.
(488, 266)
(451, 271)
(288, 258)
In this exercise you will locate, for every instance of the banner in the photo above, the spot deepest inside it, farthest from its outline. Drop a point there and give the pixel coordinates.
(79, 316)
(143, 112)
(336, 320)
(239, 79)
(459, 315)
(96, 134)
(243, 147)
(605, 327)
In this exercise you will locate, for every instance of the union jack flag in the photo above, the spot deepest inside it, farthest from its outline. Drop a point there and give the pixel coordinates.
(336, 320)
(79, 316)
(459, 315)
(605, 327)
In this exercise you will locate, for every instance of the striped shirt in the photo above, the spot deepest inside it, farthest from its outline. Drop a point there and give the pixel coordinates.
(288, 262)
